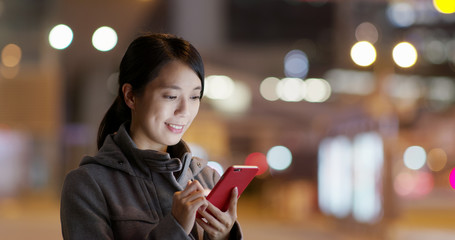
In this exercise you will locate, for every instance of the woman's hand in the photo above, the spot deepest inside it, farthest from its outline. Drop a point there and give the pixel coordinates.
(186, 203)
(218, 224)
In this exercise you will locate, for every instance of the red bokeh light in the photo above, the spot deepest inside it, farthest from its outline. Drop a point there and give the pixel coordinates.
(257, 159)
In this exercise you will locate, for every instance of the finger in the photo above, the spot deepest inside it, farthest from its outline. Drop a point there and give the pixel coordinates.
(215, 216)
(198, 185)
(196, 196)
(233, 203)
(212, 227)
(213, 210)
(208, 226)
(191, 187)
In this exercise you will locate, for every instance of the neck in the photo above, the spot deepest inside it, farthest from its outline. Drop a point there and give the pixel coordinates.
(143, 142)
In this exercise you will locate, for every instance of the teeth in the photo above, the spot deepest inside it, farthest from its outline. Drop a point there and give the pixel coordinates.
(176, 126)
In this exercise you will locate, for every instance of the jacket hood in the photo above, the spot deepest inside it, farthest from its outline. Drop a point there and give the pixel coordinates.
(121, 153)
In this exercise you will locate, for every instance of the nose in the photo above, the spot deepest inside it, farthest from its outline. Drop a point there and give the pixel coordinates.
(182, 108)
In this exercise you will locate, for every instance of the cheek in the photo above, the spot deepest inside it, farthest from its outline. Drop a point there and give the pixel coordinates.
(195, 109)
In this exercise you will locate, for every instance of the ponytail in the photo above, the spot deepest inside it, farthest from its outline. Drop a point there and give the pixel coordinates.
(117, 114)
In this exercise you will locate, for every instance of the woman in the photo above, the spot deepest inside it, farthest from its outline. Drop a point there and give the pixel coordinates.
(144, 183)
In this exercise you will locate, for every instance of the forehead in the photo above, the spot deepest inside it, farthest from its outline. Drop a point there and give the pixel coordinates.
(176, 74)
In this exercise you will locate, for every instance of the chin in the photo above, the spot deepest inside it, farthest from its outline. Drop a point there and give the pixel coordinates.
(173, 142)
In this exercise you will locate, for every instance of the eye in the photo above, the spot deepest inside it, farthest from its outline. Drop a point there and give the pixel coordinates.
(170, 97)
(196, 97)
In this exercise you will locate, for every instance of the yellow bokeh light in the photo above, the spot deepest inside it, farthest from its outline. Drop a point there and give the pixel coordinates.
(404, 54)
(363, 53)
(436, 159)
(11, 55)
(444, 6)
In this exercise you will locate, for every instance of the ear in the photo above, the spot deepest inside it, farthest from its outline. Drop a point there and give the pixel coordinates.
(128, 95)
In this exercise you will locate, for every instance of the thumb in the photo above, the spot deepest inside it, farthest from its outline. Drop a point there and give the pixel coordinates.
(233, 202)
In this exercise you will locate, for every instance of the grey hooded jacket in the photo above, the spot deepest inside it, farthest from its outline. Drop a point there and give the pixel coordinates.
(126, 193)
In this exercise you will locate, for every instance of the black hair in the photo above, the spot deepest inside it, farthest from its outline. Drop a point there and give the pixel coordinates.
(142, 62)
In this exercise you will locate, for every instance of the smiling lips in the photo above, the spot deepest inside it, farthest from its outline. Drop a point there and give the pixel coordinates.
(175, 128)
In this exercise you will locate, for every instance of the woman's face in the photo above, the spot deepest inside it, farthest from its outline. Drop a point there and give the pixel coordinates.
(165, 110)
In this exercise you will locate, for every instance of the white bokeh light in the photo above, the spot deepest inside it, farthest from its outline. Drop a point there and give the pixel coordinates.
(414, 157)
(104, 39)
(363, 53)
(404, 54)
(291, 89)
(60, 37)
(268, 88)
(219, 87)
(238, 101)
(317, 90)
(215, 165)
(279, 158)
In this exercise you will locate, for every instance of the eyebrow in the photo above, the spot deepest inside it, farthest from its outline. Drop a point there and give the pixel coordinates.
(179, 88)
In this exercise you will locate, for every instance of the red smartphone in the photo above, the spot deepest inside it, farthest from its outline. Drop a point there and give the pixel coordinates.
(235, 176)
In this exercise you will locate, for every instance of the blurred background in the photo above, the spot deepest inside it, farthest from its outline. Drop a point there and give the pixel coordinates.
(346, 106)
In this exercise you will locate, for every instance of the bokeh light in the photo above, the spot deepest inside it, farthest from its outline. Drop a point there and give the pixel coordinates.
(60, 37)
(335, 176)
(363, 53)
(366, 31)
(404, 54)
(452, 178)
(296, 64)
(424, 183)
(104, 39)
(317, 90)
(403, 183)
(9, 72)
(413, 184)
(11, 55)
(268, 88)
(401, 14)
(215, 165)
(291, 89)
(444, 6)
(219, 87)
(368, 161)
(435, 52)
(414, 157)
(436, 159)
(257, 159)
(238, 101)
(279, 158)
(441, 89)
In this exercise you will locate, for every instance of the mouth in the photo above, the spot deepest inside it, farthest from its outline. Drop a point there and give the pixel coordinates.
(175, 128)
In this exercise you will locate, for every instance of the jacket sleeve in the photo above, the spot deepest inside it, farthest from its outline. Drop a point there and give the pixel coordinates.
(85, 215)
(83, 210)
(169, 228)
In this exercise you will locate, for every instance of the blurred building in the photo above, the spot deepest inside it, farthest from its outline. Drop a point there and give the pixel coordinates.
(370, 143)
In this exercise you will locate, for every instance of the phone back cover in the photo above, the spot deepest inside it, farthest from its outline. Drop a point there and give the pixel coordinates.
(233, 177)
